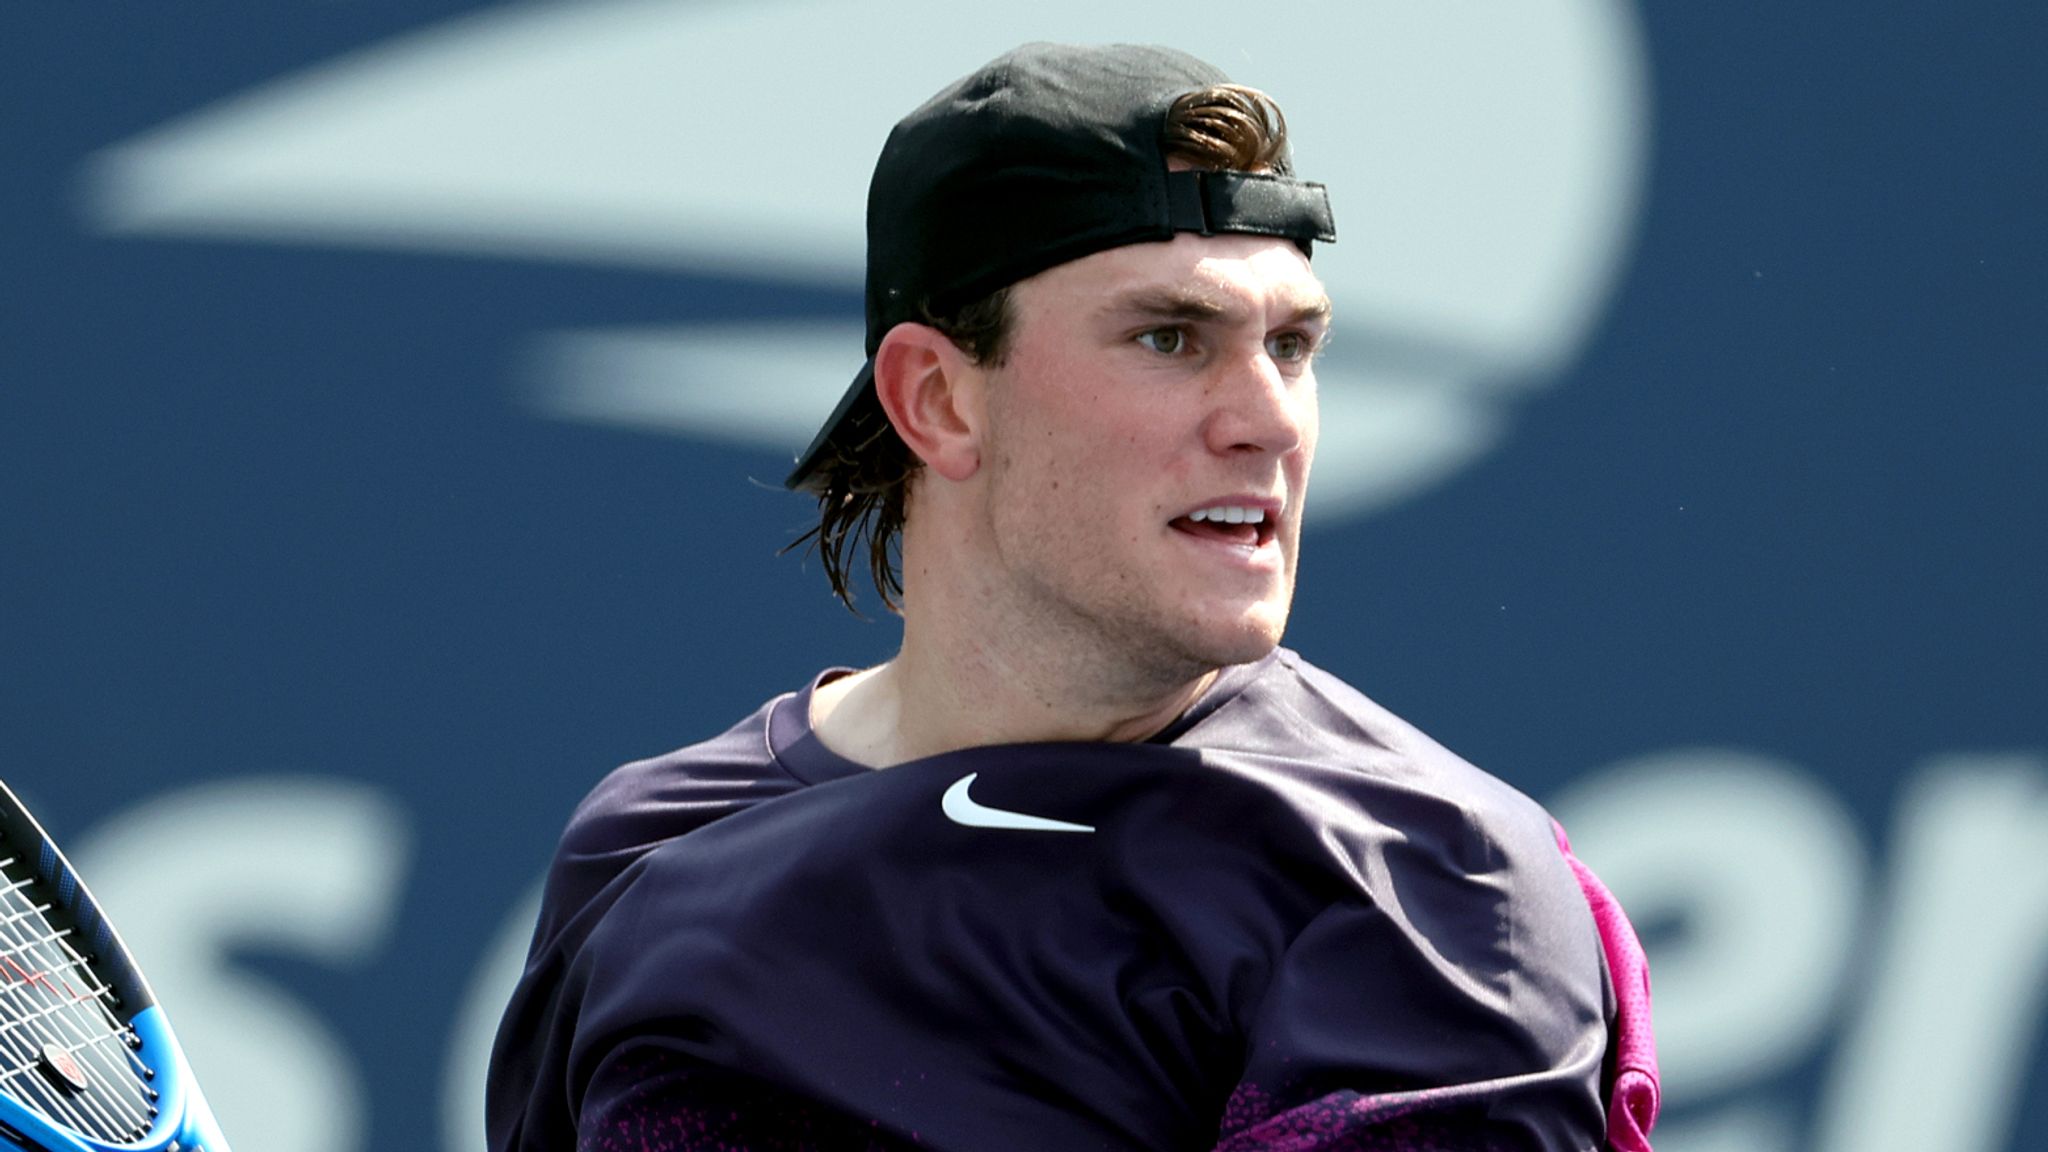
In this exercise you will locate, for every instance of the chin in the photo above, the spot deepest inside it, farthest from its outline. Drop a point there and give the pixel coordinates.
(1250, 637)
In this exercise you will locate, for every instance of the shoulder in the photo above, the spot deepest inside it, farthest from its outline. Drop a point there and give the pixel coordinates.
(641, 805)
(647, 801)
(1296, 712)
(1402, 806)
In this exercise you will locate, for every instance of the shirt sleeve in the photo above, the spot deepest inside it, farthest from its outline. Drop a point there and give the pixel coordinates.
(1443, 1006)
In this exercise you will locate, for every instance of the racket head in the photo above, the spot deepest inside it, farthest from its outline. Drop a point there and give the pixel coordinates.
(88, 1061)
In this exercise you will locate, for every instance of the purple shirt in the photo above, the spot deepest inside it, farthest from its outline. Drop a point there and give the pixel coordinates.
(1289, 921)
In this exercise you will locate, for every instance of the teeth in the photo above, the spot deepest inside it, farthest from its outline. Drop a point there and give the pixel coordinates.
(1229, 514)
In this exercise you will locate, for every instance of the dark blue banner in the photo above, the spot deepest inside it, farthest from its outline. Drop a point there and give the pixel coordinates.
(393, 399)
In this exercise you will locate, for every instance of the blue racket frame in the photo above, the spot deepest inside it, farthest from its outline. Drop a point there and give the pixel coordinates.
(183, 1122)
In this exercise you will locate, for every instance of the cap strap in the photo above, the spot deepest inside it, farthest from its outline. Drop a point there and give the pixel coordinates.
(1256, 202)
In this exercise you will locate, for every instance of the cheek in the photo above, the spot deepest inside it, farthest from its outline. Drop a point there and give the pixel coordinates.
(1070, 439)
(1311, 428)
(1085, 446)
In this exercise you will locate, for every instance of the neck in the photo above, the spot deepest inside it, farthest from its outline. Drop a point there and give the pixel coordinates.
(905, 710)
(964, 681)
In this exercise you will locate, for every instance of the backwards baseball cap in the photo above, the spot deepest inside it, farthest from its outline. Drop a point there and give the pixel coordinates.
(1046, 154)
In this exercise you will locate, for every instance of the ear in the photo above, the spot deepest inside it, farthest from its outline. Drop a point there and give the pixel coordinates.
(933, 395)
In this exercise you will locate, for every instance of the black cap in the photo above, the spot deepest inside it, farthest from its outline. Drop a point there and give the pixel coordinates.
(1046, 154)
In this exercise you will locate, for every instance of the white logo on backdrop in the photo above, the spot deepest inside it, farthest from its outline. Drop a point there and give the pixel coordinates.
(1485, 161)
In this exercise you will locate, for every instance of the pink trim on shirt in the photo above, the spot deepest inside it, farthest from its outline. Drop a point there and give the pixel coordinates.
(1633, 1100)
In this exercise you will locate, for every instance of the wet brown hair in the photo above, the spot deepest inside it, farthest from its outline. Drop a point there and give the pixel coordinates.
(864, 489)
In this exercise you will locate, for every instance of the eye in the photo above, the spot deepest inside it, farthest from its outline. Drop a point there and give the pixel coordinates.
(1165, 341)
(1289, 347)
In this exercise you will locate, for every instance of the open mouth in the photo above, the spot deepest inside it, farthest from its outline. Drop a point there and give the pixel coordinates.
(1229, 524)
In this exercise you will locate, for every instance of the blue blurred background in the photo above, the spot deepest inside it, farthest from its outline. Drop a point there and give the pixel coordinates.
(392, 398)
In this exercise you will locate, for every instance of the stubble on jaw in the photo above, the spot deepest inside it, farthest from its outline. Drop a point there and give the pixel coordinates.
(1114, 638)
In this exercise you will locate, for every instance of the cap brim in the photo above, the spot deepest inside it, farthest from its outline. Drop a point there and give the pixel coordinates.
(854, 408)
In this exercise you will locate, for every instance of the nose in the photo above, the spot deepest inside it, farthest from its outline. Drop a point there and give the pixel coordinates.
(1259, 407)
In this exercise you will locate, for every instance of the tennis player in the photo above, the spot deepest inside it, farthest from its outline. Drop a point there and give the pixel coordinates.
(1092, 862)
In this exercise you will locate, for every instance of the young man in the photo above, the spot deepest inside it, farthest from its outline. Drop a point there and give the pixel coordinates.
(1091, 863)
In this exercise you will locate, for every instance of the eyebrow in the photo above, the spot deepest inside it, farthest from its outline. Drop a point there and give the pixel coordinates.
(1185, 303)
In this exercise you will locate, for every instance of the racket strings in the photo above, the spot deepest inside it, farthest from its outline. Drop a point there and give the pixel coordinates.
(63, 1051)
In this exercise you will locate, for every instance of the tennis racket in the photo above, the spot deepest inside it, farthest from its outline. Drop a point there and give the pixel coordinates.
(87, 1060)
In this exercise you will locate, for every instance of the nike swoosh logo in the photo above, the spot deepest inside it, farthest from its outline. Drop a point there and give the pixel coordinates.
(961, 808)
